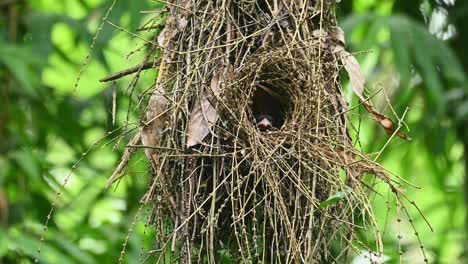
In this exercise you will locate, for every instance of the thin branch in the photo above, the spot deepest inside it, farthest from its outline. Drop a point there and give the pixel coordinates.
(120, 74)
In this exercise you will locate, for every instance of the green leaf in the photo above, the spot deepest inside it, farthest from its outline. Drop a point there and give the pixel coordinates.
(414, 48)
(5, 169)
(371, 36)
(4, 241)
(432, 57)
(462, 111)
(450, 65)
(424, 54)
(73, 250)
(39, 33)
(225, 257)
(349, 23)
(336, 197)
(22, 63)
(400, 42)
(28, 244)
(28, 162)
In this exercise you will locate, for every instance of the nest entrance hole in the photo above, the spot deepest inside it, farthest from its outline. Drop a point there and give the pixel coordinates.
(272, 100)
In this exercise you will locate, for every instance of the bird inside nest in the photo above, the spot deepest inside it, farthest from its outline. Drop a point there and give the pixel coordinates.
(269, 108)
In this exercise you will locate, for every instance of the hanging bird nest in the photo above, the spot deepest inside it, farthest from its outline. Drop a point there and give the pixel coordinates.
(223, 188)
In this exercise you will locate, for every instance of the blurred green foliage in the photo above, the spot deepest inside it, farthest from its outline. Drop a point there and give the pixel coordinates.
(412, 54)
(415, 50)
(45, 127)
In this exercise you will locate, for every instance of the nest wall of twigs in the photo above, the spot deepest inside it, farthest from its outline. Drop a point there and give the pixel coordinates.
(221, 185)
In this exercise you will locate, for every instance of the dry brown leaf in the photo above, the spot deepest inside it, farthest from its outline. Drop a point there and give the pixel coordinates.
(339, 35)
(181, 23)
(162, 37)
(169, 31)
(317, 33)
(384, 121)
(204, 115)
(356, 77)
(156, 117)
(164, 34)
(358, 81)
(350, 64)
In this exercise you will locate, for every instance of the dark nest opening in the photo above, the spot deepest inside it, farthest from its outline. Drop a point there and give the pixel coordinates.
(271, 103)
(221, 186)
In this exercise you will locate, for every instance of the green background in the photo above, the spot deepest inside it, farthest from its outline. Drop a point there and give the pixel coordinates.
(417, 51)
